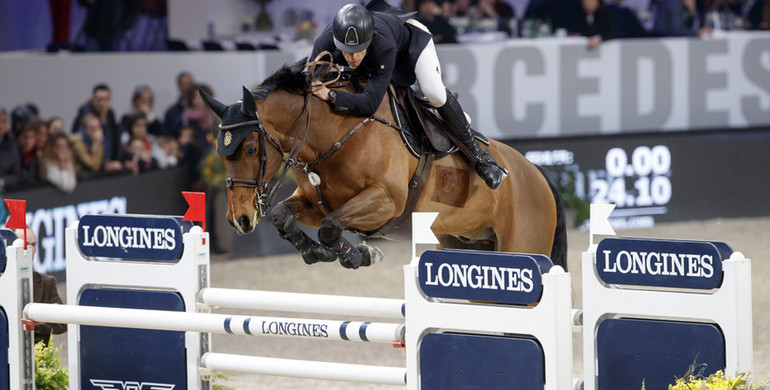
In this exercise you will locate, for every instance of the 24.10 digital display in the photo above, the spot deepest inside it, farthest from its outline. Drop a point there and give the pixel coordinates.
(641, 179)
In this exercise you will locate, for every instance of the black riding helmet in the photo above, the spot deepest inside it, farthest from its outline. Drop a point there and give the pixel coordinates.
(353, 28)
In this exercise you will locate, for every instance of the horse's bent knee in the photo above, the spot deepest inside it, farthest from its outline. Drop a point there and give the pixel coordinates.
(329, 232)
(280, 215)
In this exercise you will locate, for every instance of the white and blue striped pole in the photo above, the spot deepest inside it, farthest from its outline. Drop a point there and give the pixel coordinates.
(376, 332)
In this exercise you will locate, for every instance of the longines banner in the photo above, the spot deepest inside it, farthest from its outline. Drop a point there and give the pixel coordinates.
(49, 211)
(516, 88)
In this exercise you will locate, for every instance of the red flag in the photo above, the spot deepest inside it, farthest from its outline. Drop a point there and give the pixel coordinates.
(197, 209)
(18, 217)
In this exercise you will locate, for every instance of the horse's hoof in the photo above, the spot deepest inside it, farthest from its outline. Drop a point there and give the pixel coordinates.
(353, 260)
(370, 254)
(318, 254)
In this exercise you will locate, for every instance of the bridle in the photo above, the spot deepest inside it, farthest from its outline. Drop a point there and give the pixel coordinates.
(264, 195)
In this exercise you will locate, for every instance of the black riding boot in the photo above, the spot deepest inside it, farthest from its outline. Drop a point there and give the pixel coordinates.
(486, 167)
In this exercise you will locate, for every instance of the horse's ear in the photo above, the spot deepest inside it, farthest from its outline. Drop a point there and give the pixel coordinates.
(218, 107)
(249, 106)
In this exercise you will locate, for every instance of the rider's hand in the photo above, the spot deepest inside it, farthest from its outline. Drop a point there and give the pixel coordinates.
(318, 89)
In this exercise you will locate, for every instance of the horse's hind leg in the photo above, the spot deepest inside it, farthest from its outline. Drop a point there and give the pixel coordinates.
(312, 252)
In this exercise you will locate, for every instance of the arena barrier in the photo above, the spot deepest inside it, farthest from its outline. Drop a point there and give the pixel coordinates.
(473, 319)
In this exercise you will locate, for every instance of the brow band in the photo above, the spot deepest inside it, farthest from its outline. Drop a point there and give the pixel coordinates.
(238, 125)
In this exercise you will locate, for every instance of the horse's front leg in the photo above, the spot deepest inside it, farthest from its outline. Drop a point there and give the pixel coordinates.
(284, 219)
(367, 211)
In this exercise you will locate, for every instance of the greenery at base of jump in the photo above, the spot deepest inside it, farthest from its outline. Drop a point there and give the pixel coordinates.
(49, 374)
(716, 381)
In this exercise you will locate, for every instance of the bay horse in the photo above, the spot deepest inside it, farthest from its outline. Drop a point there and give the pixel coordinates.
(354, 174)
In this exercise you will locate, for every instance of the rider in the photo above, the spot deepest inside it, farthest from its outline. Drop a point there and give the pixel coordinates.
(390, 48)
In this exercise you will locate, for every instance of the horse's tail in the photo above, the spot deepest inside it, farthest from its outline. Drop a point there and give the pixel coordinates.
(559, 248)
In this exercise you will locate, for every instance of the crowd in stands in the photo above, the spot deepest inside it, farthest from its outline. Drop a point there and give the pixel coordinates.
(600, 20)
(37, 151)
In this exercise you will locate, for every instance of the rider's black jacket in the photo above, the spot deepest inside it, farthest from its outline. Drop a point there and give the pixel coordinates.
(391, 56)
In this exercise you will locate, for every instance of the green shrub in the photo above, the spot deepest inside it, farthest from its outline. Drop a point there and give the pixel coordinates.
(49, 374)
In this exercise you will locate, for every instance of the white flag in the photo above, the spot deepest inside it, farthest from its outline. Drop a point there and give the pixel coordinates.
(421, 233)
(600, 223)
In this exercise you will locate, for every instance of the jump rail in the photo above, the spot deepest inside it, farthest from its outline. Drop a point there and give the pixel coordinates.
(216, 323)
(303, 303)
(305, 369)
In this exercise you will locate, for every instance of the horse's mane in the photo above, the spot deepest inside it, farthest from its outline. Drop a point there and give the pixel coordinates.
(288, 77)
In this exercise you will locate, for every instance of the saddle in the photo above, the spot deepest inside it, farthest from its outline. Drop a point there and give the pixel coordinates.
(419, 124)
(421, 127)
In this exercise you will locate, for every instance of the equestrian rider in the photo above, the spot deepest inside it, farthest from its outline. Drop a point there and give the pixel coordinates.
(389, 48)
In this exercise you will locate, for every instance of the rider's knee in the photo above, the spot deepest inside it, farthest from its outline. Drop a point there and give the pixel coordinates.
(436, 95)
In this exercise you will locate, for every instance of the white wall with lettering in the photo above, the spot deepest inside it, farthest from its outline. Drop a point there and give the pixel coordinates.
(517, 88)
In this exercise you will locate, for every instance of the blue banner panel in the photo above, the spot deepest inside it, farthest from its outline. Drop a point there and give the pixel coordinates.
(122, 358)
(140, 237)
(450, 361)
(630, 351)
(661, 263)
(484, 276)
(7, 236)
(5, 375)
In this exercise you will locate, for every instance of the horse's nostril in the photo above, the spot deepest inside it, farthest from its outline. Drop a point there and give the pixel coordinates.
(243, 220)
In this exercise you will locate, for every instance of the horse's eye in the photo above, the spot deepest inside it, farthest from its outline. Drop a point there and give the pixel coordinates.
(251, 151)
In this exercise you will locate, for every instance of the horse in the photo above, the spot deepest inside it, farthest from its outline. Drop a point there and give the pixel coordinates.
(355, 174)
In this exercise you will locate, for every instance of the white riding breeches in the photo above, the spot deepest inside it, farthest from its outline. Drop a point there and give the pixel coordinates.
(428, 71)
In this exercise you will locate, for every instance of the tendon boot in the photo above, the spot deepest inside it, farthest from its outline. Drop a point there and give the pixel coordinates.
(460, 132)
(312, 252)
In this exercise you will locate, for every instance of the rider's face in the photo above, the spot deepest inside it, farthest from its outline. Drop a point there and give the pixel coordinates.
(354, 59)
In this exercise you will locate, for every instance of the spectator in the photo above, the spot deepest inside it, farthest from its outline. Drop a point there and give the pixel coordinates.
(29, 153)
(199, 117)
(594, 22)
(430, 15)
(107, 21)
(99, 105)
(142, 101)
(60, 21)
(172, 122)
(41, 137)
(677, 18)
(560, 14)
(10, 158)
(625, 22)
(191, 158)
(168, 153)
(756, 15)
(138, 158)
(57, 165)
(56, 126)
(499, 11)
(88, 145)
(43, 291)
(21, 115)
(138, 130)
(136, 127)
